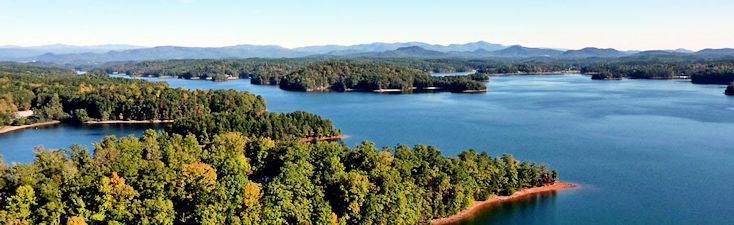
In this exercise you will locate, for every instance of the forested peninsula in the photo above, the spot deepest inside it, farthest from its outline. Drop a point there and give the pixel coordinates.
(225, 160)
(78, 98)
(717, 72)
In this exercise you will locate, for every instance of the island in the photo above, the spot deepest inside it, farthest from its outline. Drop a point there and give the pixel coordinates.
(339, 76)
(730, 89)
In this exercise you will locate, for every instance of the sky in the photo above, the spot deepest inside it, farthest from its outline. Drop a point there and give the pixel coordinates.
(568, 24)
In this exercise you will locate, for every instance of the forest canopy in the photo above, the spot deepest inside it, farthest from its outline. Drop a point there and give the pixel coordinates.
(273, 125)
(225, 160)
(338, 76)
(81, 98)
(164, 178)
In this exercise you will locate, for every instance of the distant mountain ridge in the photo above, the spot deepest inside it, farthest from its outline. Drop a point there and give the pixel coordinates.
(69, 54)
(520, 51)
(381, 47)
(11, 52)
(593, 52)
(175, 52)
(412, 51)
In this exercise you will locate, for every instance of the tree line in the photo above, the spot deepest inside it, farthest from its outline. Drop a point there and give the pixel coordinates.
(268, 71)
(81, 98)
(166, 178)
(527, 67)
(294, 125)
(36, 68)
(340, 76)
(713, 72)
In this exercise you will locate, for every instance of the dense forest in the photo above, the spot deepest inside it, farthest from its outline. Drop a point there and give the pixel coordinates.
(632, 70)
(269, 71)
(24, 68)
(225, 160)
(532, 67)
(714, 74)
(710, 72)
(268, 124)
(259, 68)
(306, 74)
(164, 178)
(82, 98)
(339, 76)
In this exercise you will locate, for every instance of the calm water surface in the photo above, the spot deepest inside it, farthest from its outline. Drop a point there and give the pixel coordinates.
(643, 151)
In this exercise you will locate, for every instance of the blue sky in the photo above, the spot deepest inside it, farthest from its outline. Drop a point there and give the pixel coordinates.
(622, 24)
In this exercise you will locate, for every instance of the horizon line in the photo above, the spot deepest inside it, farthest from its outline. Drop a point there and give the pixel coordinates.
(342, 45)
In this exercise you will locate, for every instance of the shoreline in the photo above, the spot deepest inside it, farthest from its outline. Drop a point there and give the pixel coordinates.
(535, 73)
(127, 121)
(327, 88)
(479, 205)
(474, 91)
(8, 129)
(324, 138)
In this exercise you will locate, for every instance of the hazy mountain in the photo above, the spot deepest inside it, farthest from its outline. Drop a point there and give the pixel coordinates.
(18, 52)
(412, 51)
(174, 52)
(381, 47)
(478, 53)
(679, 56)
(421, 52)
(717, 52)
(360, 48)
(680, 50)
(468, 47)
(593, 52)
(63, 54)
(519, 51)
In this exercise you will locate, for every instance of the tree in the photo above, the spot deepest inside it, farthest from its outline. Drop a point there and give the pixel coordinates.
(75, 220)
(115, 200)
(80, 115)
(251, 207)
(18, 207)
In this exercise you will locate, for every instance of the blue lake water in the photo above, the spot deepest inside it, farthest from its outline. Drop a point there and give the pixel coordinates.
(642, 151)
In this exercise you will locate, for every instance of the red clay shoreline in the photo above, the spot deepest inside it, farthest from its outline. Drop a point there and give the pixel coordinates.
(8, 129)
(478, 205)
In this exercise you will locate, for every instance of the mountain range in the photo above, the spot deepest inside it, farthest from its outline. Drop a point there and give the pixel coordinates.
(69, 54)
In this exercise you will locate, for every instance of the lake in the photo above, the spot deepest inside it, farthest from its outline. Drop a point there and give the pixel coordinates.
(642, 151)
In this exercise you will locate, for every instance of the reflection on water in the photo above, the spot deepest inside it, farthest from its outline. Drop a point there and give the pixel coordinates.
(525, 210)
(16, 146)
